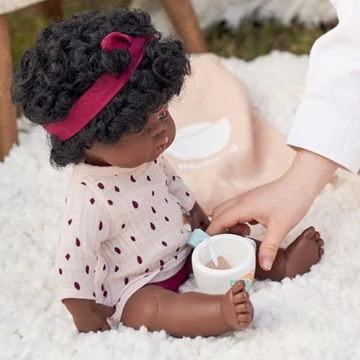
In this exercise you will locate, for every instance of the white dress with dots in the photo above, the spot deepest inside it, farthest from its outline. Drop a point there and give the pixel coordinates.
(122, 229)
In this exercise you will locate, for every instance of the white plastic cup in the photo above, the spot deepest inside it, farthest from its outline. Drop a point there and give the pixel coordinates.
(239, 252)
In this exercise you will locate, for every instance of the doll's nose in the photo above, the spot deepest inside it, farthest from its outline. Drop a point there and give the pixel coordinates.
(162, 127)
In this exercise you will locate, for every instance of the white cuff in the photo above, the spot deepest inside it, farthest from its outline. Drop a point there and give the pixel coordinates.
(327, 134)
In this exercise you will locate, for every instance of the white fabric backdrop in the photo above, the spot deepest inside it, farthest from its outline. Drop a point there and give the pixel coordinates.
(8, 6)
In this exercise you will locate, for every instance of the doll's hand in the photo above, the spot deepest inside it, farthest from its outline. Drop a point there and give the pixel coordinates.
(198, 219)
(93, 321)
(88, 315)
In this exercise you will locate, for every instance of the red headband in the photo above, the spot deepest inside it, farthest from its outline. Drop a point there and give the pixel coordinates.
(103, 90)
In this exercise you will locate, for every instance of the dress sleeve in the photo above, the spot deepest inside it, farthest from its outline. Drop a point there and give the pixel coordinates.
(86, 223)
(177, 187)
(328, 119)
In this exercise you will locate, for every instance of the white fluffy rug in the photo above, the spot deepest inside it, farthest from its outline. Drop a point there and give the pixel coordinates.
(316, 316)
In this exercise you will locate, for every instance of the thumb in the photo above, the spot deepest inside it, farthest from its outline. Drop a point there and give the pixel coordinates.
(270, 246)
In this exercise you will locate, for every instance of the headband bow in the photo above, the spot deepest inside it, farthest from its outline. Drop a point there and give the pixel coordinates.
(103, 90)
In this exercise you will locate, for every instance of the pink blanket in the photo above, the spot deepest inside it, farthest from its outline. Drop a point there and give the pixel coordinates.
(222, 148)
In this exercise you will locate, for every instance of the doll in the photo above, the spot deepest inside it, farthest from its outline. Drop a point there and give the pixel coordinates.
(100, 84)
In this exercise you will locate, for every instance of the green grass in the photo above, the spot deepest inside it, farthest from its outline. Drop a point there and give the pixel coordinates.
(248, 42)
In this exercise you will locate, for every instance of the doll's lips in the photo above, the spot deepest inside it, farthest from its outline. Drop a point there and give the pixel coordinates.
(163, 145)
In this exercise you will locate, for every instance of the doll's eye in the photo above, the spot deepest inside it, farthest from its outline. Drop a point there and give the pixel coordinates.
(163, 115)
(137, 130)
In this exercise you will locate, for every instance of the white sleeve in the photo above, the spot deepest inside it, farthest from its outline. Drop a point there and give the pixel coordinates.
(328, 119)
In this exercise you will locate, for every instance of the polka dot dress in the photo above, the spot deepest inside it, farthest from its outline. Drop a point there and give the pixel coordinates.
(121, 227)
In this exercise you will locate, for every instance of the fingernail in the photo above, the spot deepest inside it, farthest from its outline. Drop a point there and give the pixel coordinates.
(267, 264)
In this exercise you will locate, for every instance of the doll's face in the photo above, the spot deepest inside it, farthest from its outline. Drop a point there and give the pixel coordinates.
(133, 150)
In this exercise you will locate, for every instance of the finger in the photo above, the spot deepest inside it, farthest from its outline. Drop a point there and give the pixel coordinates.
(230, 217)
(106, 327)
(270, 246)
(223, 206)
(240, 229)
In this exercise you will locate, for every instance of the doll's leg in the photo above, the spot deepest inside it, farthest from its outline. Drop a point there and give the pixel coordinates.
(189, 314)
(297, 259)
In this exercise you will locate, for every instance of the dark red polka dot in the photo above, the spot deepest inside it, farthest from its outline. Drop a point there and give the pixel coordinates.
(147, 270)
(83, 183)
(78, 243)
(116, 189)
(153, 210)
(94, 295)
(100, 225)
(175, 257)
(139, 259)
(123, 226)
(105, 293)
(164, 243)
(110, 202)
(101, 186)
(133, 238)
(77, 285)
(70, 221)
(153, 193)
(161, 268)
(166, 218)
(117, 250)
(166, 200)
(132, 179)
(155, 161)
(104, 267)
(177, 250)
(152, 226)
(174, 178)
(126, 281)
(135, 204)
(102, 287)
(162, 263)
(148, 178)
(60, 271)
(116, 268)
(87, 269)
(67, 256)
(187, 194)
(92, 200)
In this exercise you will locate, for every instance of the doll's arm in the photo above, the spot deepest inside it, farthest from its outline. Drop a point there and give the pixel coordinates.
(86, 225)
(88, 315)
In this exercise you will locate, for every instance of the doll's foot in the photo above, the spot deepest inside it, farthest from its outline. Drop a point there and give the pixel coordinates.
(236, 307)
(303, 253)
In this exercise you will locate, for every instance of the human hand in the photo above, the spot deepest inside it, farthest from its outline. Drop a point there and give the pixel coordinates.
(279, 205)
(198, 219)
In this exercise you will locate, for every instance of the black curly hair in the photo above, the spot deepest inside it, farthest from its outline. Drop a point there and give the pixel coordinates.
(67, 58)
